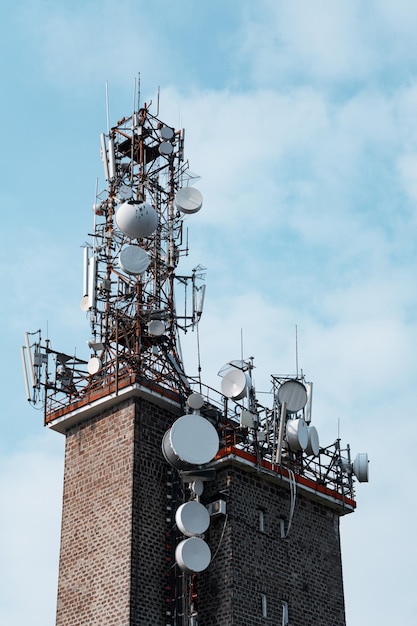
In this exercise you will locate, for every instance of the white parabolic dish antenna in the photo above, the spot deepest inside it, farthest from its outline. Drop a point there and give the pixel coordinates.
(136, 219)
(125, 193)
(297, 434)
(193, 555)
(195, 401)
(360, 467)
(167, 133)
(191, 441)
(313, 446)
(189, 200)
(294, 394)
(234, 384)
(134, 260)
(192, 518)
(165, 148)
(94, 365)
(156, 328)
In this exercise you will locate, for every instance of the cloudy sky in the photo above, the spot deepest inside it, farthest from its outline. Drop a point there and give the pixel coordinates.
(301, 118)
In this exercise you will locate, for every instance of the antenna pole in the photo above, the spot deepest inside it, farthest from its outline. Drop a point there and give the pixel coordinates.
(107, 107)
(281, 432)
(25, 374)
(134, 100)
(31, 370)
(241, 344)
(296, 350)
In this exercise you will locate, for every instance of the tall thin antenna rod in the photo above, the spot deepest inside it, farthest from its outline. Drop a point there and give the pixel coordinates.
(296, 349)
(241, 344)
(138, 106)
(30, 362)
(107, 107)
(157, 105)
(25, 373)
(134, 98)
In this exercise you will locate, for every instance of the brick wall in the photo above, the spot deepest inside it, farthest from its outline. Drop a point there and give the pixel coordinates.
(113, 565)
(304, 569)
(112, 559)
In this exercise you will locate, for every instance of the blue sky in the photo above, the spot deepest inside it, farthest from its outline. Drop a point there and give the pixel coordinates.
(301, 118)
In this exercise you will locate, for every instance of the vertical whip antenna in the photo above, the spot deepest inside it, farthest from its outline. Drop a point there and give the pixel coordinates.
(296, 350)
(107, 107)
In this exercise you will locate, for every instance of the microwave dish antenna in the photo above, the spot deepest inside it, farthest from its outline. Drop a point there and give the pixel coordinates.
(136, 219)
(313, 445)
(192, 518)
(189, 200)
(360, 467)
(294, 394)
(297, 434)
(234, 384)
(193, 555)
(134, 260)
(190, 442)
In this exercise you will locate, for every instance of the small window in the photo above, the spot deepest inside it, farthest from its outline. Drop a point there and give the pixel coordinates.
(261, 519)
(264, 604)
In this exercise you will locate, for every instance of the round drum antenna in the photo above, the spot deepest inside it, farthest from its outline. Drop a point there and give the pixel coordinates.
(294, 394)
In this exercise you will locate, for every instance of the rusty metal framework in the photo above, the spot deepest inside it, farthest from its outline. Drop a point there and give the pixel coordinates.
(132, 311)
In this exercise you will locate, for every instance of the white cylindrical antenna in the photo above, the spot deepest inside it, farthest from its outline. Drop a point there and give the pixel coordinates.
(308, 407)
(92, 264)
(104, 156)
(282, 419)
(30, 362)
(112, 162)
(157, 101)
(200, 302)
(85, 271)
(25, 373)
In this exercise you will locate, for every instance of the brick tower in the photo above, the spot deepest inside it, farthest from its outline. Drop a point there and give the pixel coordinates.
(182, 505)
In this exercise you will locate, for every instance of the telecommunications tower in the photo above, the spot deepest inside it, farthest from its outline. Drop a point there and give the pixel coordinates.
(182, 505)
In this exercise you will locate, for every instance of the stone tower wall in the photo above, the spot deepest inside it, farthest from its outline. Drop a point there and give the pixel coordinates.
(112, 558)
(303, 569)
(113, 562)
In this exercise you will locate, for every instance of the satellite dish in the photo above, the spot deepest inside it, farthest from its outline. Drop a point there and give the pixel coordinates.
(189, 200)
(192, 518)
(94, 365)
(156, 328)
(360, 467)
(85, 303)
(195, 401)
(197, 487)
(297, 434)
(193, 555)
(134, 260)
(167, 133)
(191, 441)
(313, 445)
(136, 219)
(294, 394)
(125, 193)
(234, 384)
(165, 148)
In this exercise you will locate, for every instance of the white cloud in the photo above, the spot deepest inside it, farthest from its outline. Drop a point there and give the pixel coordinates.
(309, 219)
(31, 488)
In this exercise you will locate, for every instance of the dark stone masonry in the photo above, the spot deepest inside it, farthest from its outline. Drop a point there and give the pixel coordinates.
(113, 563)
